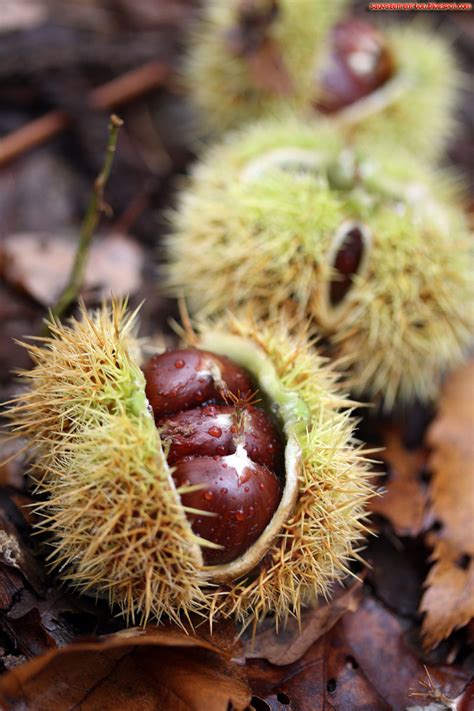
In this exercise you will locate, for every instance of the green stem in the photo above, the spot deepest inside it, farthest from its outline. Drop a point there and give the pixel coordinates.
(89, 224)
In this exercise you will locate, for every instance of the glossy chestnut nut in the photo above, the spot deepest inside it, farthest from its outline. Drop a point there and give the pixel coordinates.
(186, 378)
(241, 495)
(358, 63)
(218, 429)
(230, 448)
(346, 264)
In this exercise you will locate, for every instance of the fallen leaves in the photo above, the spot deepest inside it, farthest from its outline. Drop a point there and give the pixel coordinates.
(449, 598)
(135, 669)
(404, 502)
(293, 641)
(34, 615)
(364, 662)
(40, 265)
(326, 677)
(378, 640)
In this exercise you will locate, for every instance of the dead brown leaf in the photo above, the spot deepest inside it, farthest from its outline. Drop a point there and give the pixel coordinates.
(18, 316)
(377, 639)
(404, 502)
(362, 663)
(15, 550)
(21, 15)
(326, 677)
(34, 615)
(449, 599)
(40, 264)
(465, 702)
(294, 640)
(12, 463)
(397, 571)
(155, 668)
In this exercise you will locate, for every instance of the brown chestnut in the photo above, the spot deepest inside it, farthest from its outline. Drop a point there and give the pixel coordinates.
(346, 263)
(230, 448)
(186, 378)
(358, 63)
(242, 495)
(217, 430)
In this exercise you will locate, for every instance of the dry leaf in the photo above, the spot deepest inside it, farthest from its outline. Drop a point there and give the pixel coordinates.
(136, 669)
(12, 463)
(377, 640)
(397, 570)
(40, 264)
(34, 616)
(15, 551)
(362, 663)
(465, 702)
(404, 502)
(18, 15)
(449, 599)
(292, 642)
(18, 316)
(326, 677)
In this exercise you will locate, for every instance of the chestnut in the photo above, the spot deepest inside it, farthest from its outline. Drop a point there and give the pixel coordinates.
(182, 379)
(233, 453)
(240, 496)
(346, 264)
(215, 430)
(232, 535)
(358, 63)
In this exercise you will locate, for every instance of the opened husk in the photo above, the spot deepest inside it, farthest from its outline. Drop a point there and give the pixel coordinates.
(110, 510)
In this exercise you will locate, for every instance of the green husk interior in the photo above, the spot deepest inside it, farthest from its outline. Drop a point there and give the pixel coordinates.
(295, 417)
(324, 530)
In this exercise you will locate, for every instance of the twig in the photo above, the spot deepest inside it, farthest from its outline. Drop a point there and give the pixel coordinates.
(115, 93)
(89, 224)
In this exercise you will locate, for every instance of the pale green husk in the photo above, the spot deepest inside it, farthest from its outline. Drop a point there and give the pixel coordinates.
(415, 109)
(322, 535)
(112, 515)
(111, 512)
(220, 82)
(249, 230)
